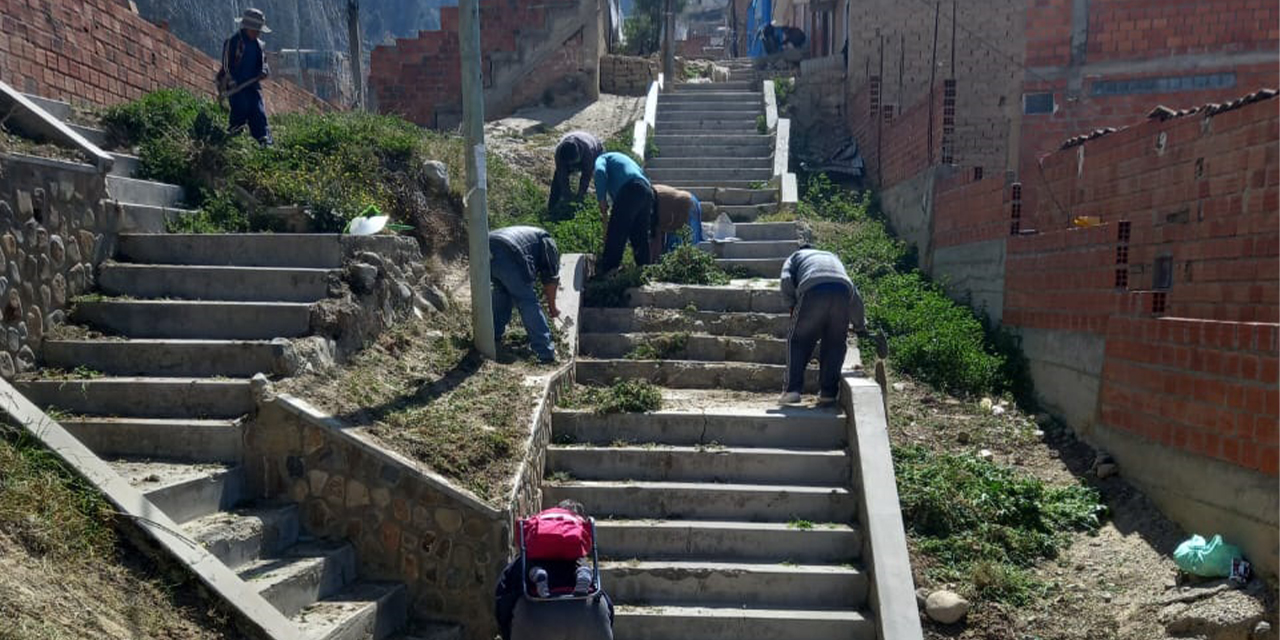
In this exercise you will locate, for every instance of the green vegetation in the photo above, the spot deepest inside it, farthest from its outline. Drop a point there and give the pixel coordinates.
(783, 88)
(686, 264)
(762, 124)
(332, 164)
(930, 336)
(623, 396)
(642, 30)
(984, 525)
(662, 346)
(803, 525)
(47, 508)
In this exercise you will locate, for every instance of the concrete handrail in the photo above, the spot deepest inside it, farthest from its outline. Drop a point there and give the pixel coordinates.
(789, 194)
(892, 595)
(252, 611)
(34, 120)
(770, 105)
(650, 121)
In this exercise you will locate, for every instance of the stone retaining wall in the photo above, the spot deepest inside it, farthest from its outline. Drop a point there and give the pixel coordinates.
(627, 75)
(52, 234)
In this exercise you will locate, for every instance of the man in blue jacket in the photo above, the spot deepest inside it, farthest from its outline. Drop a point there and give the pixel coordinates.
(620, 180)
(519, 257)
(244, 66)
(823, 302)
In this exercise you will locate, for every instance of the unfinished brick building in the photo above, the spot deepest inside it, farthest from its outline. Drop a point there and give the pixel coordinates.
(1153, 331)
(535, 52)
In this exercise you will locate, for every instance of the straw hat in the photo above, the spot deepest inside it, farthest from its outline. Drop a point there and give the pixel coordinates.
(253, 19)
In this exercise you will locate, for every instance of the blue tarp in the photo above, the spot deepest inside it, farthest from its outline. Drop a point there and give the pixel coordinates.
(760, 13)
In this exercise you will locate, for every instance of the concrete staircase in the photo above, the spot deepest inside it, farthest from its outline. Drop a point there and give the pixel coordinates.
(722, 516)
(185, 321)
(709, 144)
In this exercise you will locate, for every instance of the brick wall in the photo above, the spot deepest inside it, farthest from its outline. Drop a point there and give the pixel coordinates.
(529, 57)
(100, 52)
(627, 75)
(972, 211)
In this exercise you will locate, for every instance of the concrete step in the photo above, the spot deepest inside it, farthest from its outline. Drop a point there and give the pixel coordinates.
(701, 501)
(675, 147)
(716, 95)
(745, 126)
(710, 114)
(243, 536)
(306, 573)
(746, 214)
(192, 319)
(761, 296)
(695, 87)
(93, 134)
(56, 108)
(293, 250)
(729, 541)
(144, 218)
(736, 623)
(727, 584)
(667, 107)
(134, 191)
(143, 397)
(698, 187)
(200, 282)
(741, 196)
(792, 427)
(752, 249)
(159, 357)
(184, 492)
(124, 165)
(177, 440)
(757, 267)
(744, 141)
(688, 374)
(696, 347)
(367, 610)
(701, 463)
(625, 320)
(723, 163)
(755, 231)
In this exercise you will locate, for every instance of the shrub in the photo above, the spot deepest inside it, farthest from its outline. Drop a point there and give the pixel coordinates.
(783, 87)
(660, 347)
(626, 396)
(985, 523)
(687, 264)
(611, 290)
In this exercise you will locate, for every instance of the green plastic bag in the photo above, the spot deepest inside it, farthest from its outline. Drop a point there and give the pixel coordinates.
(1211, 559)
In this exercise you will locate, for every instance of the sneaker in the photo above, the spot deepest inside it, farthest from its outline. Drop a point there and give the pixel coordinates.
(790, 397)
(583, 584)
(538, 576)
(827, 399)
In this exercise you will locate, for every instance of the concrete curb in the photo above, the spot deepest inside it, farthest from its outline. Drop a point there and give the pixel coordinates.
(770, 105)
(892, 597)
(254, 614)
(34, 119)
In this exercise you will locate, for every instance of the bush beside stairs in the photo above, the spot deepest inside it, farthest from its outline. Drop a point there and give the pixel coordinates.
(187, 321)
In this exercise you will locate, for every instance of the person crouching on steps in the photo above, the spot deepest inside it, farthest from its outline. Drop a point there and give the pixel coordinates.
(517, 257)
(619, 179)
(823, 302)
(577, 151)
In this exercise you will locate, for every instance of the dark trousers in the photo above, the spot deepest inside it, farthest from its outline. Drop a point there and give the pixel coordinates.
(822, 314)
(248, 108)
(629, 222)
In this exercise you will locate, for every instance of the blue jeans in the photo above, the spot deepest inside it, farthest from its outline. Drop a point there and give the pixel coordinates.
(248, 108)
(510, 288)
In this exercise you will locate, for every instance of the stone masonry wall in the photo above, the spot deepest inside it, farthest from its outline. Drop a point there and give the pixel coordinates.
(627, 75)
(52, 236)
(101, 52)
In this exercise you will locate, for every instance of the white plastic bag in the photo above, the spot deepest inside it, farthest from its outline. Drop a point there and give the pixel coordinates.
(723, 229)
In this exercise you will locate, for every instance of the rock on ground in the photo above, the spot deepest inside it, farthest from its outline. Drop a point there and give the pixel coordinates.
(946, 607)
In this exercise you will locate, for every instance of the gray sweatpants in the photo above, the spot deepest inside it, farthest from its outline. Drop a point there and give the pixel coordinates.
(561, 620)
(820, 315)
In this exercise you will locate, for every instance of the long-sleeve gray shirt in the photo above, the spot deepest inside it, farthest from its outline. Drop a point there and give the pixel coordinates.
(588, 149)
(809, 268)
(533, 247)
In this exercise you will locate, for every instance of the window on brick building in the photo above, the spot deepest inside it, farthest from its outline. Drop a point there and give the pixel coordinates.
(1037, 103)
(1168, 84)
(1162, 278)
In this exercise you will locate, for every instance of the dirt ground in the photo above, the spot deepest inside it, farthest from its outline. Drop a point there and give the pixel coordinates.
(1118, 584)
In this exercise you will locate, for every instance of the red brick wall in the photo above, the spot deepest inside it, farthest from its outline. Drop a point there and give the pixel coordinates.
(1202, 386)
(895, 148)
(98, 51)
(1147, 28)
(421, 78)
(970, 211)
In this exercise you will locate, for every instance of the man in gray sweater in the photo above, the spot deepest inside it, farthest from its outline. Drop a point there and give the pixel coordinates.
(576, 151)
(518, 256)
(823, 302)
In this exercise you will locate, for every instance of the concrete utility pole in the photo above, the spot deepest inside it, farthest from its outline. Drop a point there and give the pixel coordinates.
(669, 43)
(477, 182)
(354, 49)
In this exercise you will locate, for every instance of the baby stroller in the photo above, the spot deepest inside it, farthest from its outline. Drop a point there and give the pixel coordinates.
(559, 538)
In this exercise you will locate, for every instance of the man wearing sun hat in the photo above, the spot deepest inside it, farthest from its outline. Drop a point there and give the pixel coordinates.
(244, 65)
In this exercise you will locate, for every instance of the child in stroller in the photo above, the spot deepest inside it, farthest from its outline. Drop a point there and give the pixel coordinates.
(555, 578)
